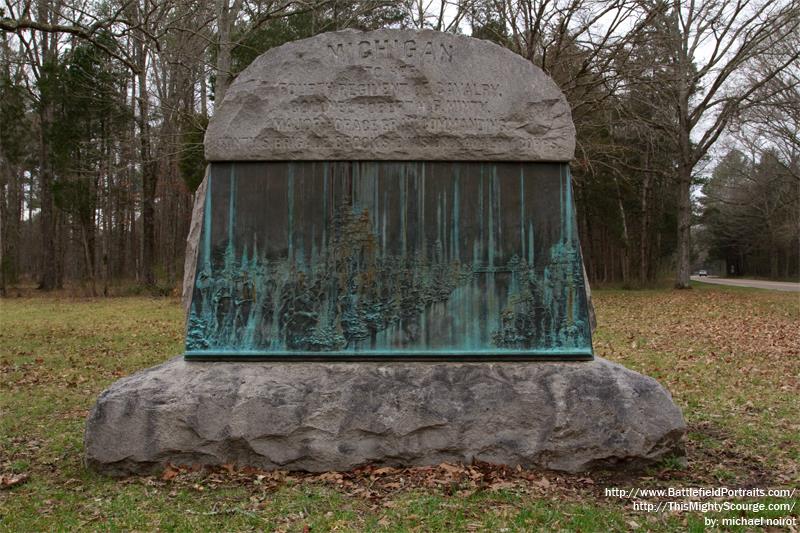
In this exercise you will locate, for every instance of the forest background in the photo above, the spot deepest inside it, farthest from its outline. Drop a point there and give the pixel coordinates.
(687, 116)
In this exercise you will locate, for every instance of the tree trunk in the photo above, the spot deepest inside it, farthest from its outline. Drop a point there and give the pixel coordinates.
(133, 238)
(224, 50)
(49, 277)
(786, 264)
(684, 228)
(149, 176)
(203, 92)
(3, 225)
(625, 252)
(50, 269)
(87, 257)
(606, 256)
(9, 223)
(773, 262)
(644, 239)
(684, 218)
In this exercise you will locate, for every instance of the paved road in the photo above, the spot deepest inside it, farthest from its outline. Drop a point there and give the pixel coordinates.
(754, 283)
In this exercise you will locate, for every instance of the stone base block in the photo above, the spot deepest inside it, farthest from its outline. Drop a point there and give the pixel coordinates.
(336, 416)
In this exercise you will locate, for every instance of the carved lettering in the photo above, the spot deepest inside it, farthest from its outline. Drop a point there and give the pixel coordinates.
(343, 89)
(476, 125)
(466, 89)
(410, 47)
(406, 94)
(428, 50)
(449, 106)
(446, 50)
(378, 49)
(368, 139)
(337, 52)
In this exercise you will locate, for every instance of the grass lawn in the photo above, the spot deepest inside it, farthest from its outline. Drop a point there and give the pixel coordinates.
(730, 357)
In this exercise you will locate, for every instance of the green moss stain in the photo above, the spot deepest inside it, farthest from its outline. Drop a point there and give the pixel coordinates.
(373, 262)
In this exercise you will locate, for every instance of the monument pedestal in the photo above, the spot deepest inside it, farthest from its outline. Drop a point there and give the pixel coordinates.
(569, 416)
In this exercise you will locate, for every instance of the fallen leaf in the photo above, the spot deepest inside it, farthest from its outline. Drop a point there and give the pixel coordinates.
(500, 485)
(12, 480)
(447, 467)
(169, 473)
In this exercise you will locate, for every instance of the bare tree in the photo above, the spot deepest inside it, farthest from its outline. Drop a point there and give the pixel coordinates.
(233, 15)
(42, 49)
(439, 15)
(577, 42)
(770, 118)
(709, 44)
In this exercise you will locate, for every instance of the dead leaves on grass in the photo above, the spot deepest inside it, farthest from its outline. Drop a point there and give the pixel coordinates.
(728, 357)
(380, 482)
(691, 323)
(78, 374)
(8, 481)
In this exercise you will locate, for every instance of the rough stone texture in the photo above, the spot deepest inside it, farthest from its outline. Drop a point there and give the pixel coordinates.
(193, 243)
(391, 95)
(335, 416)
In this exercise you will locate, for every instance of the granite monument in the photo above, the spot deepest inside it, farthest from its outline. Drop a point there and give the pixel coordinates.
(384, 268)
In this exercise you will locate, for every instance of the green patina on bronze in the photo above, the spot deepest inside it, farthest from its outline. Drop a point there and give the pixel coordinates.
(376, 260)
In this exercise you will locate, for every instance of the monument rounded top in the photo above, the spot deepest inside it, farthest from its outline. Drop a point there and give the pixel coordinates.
(391, 95)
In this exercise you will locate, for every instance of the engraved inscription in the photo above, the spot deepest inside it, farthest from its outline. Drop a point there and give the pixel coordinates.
(402, 94)
(468, 89)
(294, 143)
(377, 106)
(343, 89)
(377, 49)
(378, 97)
